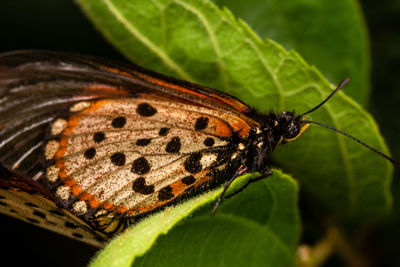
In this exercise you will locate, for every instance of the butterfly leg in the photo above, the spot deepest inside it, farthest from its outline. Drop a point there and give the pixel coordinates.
(238, 173)
(250, 181)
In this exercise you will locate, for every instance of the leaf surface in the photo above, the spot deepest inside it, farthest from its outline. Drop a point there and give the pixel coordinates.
(329, 34)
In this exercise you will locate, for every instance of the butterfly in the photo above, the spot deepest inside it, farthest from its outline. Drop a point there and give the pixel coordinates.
(89, 146)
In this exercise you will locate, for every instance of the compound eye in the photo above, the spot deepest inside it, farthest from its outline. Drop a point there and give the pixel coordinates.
(292, 131)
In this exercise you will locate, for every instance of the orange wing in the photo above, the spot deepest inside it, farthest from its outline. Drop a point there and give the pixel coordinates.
(131, 156)
(38, 86)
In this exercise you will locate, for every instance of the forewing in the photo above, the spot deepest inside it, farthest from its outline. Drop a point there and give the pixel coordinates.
(130, 156)
(38, 86)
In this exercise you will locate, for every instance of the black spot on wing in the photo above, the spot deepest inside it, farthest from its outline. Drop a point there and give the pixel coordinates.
(118, 122)
(140, 166)
(188, 180)
(118, 159)
(165, 193)
(201, 123)
(90, 153)
(192, 163)
(139, 185)
(163, 131)
(209, 142)
(70, 225)
(174, 145)
(39, 214)
(99, 137)
(143, 142)
(146, 110)
(57, 212)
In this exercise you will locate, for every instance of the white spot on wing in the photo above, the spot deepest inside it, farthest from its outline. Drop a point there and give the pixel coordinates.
(79, 106)
(58, 126)
(63, 192)
(221, 167)
(208, 159)
(52, 173)
(100, 213)
(51, 149)
(241, 146)
(234, 155)
(79, 207)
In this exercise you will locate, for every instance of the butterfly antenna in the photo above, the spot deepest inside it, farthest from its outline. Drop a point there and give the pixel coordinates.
(395, 162)
(340, 86)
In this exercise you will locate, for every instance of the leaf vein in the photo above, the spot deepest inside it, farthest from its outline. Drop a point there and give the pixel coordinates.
(346, 160)
(213, 40)
(169, 62)
(270, 72)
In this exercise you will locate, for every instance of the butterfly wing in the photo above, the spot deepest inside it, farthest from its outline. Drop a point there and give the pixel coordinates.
(34, 89)
(36, 86)
(112, 141)
(22, 199)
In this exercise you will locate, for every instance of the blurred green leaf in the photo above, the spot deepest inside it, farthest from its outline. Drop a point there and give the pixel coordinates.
(271, 202)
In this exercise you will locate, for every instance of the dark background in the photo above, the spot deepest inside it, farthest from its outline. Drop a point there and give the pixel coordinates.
(60, 25)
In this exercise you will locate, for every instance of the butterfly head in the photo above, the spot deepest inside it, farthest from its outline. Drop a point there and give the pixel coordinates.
(290, 126)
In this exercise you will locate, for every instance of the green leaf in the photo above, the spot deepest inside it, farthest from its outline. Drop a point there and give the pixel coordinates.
(266, 233)
(197, 41)
(271, 202)
(329, 34)
(222, 241)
